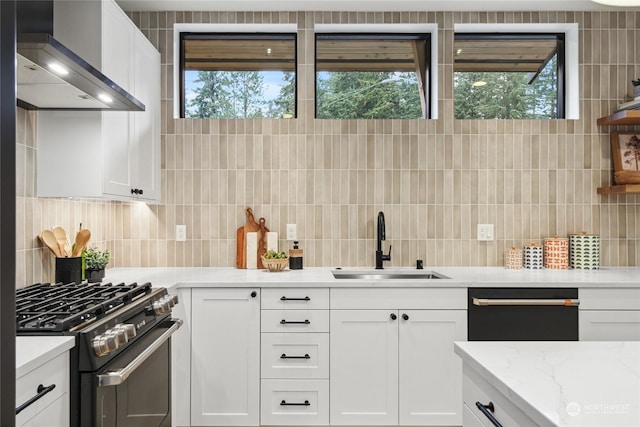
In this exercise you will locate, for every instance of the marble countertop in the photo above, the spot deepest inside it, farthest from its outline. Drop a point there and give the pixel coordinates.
(33, 351)
(169, 277)
(560, 384)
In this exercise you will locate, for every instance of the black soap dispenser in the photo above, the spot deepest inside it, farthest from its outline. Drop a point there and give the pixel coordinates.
(295, 257)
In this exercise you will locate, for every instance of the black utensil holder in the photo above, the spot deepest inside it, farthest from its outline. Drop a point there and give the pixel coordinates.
(69, 269)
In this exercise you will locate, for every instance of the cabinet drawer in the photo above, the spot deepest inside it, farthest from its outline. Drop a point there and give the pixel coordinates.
(399, 298)
(55, 371)
(609, 299)
(476, 389)
(295, 320)
(295, 299)
(295, 355)
(294, 402)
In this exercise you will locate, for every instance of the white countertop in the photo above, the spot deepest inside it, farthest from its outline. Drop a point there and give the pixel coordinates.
(32, 352)
(169, 277)
(560, 384)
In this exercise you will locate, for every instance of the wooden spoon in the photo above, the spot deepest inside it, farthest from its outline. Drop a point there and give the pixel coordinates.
(61, 237)
(47, 237)
(82, 238)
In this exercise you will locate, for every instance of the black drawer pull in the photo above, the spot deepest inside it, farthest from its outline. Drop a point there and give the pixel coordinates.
(485, 410)
(41, 390)
(295, 322)
(284, 356)
(295, 299)
(284, 403)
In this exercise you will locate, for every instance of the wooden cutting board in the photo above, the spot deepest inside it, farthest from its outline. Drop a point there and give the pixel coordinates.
(262, 241)
(241, 246)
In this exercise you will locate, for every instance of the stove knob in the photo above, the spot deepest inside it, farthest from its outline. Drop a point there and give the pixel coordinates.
(120, 334)
(103, 344)
(129, 329)
(161, 307)
(168, 300)
(174, 298)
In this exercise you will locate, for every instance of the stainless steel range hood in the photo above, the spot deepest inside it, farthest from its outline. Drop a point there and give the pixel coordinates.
(52, 77)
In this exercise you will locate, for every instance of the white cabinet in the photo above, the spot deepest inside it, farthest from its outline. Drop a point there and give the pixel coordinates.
(396, 365)
(364, 367)
(225, 357)
(476, 390)
(609, 314)
(111, 154)
(52, 410)
(295, 357)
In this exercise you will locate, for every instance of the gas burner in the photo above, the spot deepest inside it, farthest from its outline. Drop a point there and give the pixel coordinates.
(66, 307)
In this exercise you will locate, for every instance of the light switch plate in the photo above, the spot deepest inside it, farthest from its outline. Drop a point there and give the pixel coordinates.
(292, 232)
(181, 233)
(485, 232)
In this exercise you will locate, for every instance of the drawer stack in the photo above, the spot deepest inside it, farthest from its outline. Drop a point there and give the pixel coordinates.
(294, 356)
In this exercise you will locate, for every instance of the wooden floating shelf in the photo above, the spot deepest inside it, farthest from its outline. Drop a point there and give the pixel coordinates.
(620, 189)
(624, 117)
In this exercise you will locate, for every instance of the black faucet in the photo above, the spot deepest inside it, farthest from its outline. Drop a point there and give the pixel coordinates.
(381, 236)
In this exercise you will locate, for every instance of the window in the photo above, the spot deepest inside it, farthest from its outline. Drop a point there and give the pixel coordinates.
(237, 75)
(366, 75)
(513, 75)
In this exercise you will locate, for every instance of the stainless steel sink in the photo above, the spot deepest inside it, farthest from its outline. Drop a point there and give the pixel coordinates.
(387, 275)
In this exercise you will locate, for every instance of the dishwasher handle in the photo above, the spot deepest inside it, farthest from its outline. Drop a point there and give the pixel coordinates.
(566, 302)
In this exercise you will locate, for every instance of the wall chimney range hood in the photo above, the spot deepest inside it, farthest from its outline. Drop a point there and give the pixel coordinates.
(52, 77)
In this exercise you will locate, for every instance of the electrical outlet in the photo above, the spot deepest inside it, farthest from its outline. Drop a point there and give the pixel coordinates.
(292, 232)
(181, 233)
(485, 232)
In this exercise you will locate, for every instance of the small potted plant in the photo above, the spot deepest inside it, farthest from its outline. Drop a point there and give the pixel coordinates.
(95, 262)
(636, 88)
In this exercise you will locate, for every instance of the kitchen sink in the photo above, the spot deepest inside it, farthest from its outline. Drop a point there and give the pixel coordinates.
(387, 275)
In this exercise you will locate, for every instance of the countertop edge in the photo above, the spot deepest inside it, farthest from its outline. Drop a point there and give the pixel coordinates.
(30, 355)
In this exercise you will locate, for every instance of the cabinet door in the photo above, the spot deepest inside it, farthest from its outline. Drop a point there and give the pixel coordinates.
(363, 367)
(117, 133)
(146, 124)
(225, 357)
(611, 325)
(430, 372)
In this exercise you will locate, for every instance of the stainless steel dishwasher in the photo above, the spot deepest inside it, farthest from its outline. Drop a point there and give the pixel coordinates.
(523, 314)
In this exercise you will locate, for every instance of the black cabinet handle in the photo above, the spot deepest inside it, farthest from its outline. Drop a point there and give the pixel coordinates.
(295, 322)
(284, 356)
(295, 299)
(485, 410)
(254, 294)
(137, 191)
(405, 316)
(393, 316)
(41, 391)
(284, 403)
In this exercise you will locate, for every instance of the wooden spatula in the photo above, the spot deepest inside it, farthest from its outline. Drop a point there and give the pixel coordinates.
(82, 238)
(47, 237)
(61, 237)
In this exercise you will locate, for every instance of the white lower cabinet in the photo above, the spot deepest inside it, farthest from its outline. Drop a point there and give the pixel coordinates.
(303, 356)
(52, 410)
(609, 314)
(476, 390)
(294, 402)
(225, 357)
(396, 366)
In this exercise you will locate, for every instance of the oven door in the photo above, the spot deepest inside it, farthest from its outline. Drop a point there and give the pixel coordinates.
(134, 389)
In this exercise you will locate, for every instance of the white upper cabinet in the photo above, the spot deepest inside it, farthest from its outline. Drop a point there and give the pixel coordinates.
(110, 154)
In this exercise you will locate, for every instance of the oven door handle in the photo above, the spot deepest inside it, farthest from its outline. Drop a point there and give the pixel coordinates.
(567, 302)
(120, 376)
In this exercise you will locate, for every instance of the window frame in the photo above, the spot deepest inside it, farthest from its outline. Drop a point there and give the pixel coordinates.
(570, 103)
(276, 31)
(381, 31)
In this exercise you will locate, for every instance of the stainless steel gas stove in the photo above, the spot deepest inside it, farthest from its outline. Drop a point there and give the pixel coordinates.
(121, 365)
